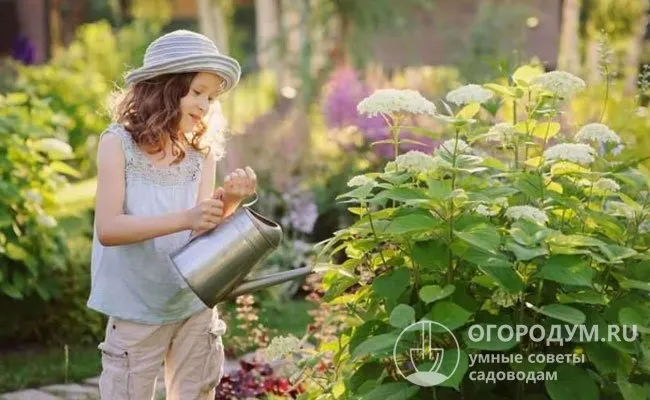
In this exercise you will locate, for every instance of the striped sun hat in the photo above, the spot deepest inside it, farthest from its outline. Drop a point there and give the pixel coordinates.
(185, 51)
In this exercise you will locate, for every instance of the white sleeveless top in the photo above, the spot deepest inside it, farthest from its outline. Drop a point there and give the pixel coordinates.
(138, 282)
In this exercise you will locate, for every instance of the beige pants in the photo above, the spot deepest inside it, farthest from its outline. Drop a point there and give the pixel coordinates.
(191, 351)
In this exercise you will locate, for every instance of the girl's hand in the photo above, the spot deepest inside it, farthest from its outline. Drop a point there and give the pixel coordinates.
(240, 184)
(206, 215)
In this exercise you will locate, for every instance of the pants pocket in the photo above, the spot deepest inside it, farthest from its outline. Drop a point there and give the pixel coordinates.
(214, 367)
(114, 379)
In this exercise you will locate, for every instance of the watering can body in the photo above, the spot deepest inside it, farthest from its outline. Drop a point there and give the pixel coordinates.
(215, 263)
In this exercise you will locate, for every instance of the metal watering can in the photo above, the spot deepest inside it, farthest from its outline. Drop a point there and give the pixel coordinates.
(215, 263)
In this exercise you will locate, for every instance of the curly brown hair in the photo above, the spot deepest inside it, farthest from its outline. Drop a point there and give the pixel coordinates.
(150, 111)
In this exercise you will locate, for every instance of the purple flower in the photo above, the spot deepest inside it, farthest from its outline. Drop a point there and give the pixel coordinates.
(24, 50)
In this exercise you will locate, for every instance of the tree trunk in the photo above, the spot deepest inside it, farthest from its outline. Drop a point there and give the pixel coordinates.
(634, 50)
(212, 23)
(569, 59)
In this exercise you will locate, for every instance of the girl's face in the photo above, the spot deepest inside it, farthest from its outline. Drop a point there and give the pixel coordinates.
(204, 89)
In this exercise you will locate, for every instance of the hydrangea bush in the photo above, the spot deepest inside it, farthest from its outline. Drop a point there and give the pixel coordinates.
(516, 220)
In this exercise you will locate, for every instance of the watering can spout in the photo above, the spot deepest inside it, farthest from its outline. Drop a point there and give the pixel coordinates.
(253, 285)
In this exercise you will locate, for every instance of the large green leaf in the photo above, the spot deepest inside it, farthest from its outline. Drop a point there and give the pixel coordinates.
(411, 223)
(506, 276)
(561, 312)
(449, 363)
(604, 357)
(631, 391)
(392, 391)
(402, 315)
(376, 345)
(370, 371)
(449, 314)
(568, 269)
(392, 284)
(635, 316)
(402, 194)
(430, 254)
(525, 253)
(482, 236)
(573, 383)
(583, 296)
(431, 293)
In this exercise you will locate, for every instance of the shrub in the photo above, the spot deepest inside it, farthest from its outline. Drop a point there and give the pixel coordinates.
(507, 224)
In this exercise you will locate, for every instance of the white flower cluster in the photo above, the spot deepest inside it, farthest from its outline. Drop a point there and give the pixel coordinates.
(281, 345)
(467, 94)
(485, 210)
(503, 132)
(389, 101)
(360, 180)
(526, 212)
(460, 146)
(560, 83)
(416, 161)
(644, 227)
(575, 152)
(505, 299)
(607, 184)
(599, 133)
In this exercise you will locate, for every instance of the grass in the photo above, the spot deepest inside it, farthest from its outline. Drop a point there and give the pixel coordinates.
(47, 366)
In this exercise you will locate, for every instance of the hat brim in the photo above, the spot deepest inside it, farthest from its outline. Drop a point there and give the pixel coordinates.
(226, 67)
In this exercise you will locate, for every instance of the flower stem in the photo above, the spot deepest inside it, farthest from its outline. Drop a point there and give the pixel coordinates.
(374, 233)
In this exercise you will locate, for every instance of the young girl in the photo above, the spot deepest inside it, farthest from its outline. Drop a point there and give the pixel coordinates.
(155, 190)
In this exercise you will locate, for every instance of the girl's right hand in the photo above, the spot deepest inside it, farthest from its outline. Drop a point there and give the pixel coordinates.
(206, 215)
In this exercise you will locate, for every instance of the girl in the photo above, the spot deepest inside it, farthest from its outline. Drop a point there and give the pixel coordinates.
(155, 190)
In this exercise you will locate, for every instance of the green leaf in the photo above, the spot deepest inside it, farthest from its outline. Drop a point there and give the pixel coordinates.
(566, 168)
(16, 252)
(469, 111)
(359, 193)
(55, 149)
(370, 371)
(11, 291)
(604, 358)
(500, 89)
(65, 169)
(430, 254)
(438, 189)
(449, 363)
(561, 312)
(546, 130)
(631, 391)
(402, 315)
(392, 391)
(573, 383)
(402, 194)
(635, 316)
(568, 269)
(391, 285)
(432, 293)
(375, 345)
(482, 236)
(505, 276)
(526, 74)
(448, 314)
(525, 253)
(411, 223)
(585, 297)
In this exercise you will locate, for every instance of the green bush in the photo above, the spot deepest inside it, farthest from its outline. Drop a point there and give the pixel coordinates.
(32, 171)
(510, 230)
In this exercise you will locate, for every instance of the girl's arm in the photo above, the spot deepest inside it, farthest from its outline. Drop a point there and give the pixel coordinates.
(115, 228)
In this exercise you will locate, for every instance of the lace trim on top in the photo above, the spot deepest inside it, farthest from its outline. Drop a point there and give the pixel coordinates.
(139, 166)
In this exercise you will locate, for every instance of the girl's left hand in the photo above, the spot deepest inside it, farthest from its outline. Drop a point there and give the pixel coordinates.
(241, 183)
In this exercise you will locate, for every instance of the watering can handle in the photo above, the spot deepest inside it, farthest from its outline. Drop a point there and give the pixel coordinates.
(257, 197)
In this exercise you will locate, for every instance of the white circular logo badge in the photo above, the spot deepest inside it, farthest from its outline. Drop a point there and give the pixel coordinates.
(424, 353)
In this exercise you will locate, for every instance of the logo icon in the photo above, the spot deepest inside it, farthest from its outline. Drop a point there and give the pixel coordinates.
(425, 352)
